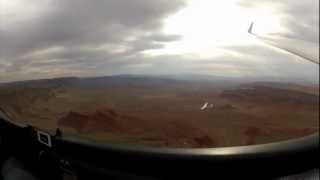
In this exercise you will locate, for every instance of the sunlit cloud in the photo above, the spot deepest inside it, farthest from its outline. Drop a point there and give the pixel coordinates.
(205, 25)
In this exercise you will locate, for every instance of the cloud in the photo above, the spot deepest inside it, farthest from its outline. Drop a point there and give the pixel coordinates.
(82, 29)
(53, 38)
(79, 22)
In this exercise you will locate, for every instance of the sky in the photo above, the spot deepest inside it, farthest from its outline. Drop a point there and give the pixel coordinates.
(58, 38)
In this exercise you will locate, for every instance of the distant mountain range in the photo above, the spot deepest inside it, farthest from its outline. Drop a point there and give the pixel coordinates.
(180, 77)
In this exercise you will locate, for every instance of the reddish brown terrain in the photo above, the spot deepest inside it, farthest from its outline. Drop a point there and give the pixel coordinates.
(166, 112)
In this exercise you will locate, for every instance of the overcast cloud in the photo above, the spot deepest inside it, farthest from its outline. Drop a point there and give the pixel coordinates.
(54, 38)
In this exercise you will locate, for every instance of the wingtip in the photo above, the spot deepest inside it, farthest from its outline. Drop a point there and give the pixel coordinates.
(250, 28)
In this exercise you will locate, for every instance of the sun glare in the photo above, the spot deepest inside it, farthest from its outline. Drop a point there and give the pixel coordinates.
(205, 25)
